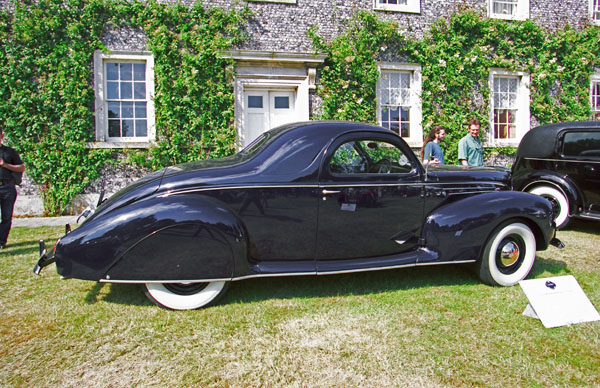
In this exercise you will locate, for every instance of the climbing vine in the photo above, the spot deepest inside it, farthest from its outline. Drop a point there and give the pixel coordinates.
(47, 94)
(456, 56)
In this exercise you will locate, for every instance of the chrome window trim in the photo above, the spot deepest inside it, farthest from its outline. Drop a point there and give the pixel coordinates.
(564, 160)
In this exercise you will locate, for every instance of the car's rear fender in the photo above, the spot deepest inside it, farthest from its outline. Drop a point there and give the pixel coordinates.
(559, 182)
(527, 174)
(173, 238)
(458, 231)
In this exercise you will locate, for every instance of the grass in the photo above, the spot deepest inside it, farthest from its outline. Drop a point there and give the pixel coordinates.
(421, 327)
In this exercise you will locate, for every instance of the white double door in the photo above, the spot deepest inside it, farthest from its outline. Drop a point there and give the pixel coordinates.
(266, 109)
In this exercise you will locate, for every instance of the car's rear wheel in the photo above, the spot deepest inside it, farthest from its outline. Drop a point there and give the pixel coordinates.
(185, 296)
(509, 254)
(560, 203)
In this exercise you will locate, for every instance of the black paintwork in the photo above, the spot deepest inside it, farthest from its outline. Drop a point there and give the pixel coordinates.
(276, 208)
(543, 159)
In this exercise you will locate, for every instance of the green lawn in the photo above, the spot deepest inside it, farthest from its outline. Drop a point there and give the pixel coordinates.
(420, 327)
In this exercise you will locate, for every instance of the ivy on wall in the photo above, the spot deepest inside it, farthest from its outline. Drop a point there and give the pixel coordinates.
(47, 94)
(456, 56)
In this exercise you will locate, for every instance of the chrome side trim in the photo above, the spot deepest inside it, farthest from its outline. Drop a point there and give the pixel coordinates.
(320, 186)
(285, 274)
(214, 188)
(563, 160)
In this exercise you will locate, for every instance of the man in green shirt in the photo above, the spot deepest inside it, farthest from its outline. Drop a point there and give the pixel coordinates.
(470, 152)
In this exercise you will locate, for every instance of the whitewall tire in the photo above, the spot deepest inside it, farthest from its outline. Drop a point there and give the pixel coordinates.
(509, 255)
(185, 296)
(560, 203)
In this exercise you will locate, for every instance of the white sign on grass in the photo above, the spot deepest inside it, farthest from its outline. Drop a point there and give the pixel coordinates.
(558, 301)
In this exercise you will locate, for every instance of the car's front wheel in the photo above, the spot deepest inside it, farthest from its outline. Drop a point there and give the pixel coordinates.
(185, 296)
(508, 255)
(560, 203)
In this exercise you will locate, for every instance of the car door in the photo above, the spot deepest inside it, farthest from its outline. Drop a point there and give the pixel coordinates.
(581, 153)
(371, 201)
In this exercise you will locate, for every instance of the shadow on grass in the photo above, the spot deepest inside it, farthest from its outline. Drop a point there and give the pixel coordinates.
(130, 294)
(585, 226)
(547, 265)
(22, 248)
(292, 287)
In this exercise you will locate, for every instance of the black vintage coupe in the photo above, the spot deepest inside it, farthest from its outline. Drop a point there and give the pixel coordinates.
(309, 198)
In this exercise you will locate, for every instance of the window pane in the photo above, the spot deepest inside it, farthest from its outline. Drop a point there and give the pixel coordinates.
(127, 129)
(595, 102)
(140, 110)
(112, 71)
(584, 144)
(405, 114)
(114, 128)
(126, 71)
(139, 90)
(126, 92)
(141, 128)
(505, 7)
(112, 90)
(405, 130)
(282, 102)
(139, 72)
(255, 101)
(114, 110)
(127, 110)
(125, 117)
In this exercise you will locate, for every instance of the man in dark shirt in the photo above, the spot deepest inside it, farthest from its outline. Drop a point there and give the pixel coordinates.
(10, 162)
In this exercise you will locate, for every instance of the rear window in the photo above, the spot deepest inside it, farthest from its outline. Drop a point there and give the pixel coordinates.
(582, 145)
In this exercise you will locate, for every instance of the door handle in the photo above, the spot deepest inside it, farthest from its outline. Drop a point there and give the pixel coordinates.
(325, 192)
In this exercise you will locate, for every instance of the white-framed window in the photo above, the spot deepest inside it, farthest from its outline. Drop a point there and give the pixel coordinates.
(595, 96)
(595, 11)
(124, 85)
(399, 100)
(509, 9)
(411, 6)
(509, 106)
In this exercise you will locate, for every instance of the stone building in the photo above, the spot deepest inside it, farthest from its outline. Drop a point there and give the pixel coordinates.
(276, 70)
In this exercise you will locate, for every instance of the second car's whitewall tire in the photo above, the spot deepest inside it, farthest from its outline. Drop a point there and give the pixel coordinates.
(561, 218)
(185, 296)
(494, 269)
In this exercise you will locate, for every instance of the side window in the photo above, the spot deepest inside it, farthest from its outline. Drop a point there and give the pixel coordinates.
(582, 145)
(124, 86)
(509, 9)
(594, 6)
(369, 157)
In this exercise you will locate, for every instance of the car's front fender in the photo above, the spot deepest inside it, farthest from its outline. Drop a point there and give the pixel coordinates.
(173, 238)
(459, 230)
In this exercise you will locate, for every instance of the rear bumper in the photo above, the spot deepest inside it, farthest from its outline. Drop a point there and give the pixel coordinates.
(46, 258)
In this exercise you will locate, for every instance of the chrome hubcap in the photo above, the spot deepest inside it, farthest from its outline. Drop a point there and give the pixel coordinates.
(509, 254)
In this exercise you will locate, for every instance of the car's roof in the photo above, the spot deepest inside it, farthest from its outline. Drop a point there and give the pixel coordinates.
(332, 128)
(540, 142)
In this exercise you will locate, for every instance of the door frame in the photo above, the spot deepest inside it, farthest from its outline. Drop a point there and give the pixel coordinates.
(274, 70)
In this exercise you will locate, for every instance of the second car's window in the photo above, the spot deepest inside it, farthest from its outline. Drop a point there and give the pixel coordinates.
(582, 144)
(369, 157)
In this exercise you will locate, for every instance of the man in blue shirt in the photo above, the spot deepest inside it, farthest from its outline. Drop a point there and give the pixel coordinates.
(470, 151)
